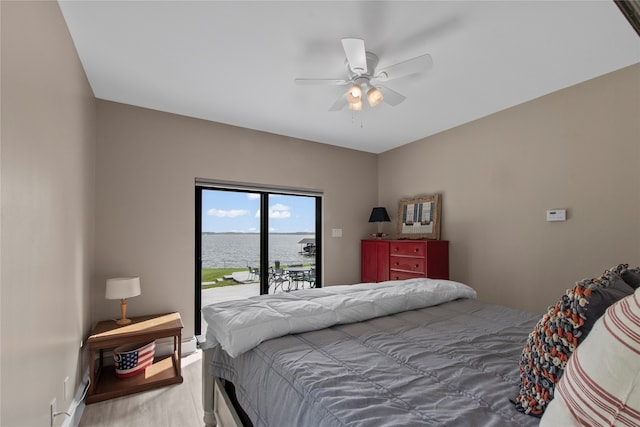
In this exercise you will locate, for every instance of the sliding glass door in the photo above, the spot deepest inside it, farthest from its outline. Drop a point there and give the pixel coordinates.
(292, 245)
(254, 241)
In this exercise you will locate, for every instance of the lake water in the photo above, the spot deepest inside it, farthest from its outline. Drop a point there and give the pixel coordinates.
(242, 250)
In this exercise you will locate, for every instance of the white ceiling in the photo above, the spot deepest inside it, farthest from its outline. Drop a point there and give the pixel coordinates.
(235, 62)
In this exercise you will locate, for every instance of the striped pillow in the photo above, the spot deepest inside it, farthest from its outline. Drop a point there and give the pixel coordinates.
(601, 384)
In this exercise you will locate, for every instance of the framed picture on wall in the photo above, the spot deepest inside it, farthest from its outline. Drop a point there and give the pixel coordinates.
(419, 218)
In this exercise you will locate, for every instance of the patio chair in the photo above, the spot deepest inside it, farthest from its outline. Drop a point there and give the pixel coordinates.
(296, 277)
(310, 277)
(254, 274)
(277, 278)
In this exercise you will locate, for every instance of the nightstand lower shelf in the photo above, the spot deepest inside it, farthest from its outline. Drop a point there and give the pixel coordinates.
(163, 372)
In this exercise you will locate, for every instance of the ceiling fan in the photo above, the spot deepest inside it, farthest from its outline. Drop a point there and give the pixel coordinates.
(364, 79)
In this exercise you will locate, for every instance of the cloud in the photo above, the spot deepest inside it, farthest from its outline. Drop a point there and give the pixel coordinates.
(253, 196)
(232, 213)
(279, 211)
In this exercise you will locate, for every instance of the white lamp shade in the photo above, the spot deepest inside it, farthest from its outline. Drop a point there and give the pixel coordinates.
(122, 287)
(355, 94)
(374, 96)
(356, 106)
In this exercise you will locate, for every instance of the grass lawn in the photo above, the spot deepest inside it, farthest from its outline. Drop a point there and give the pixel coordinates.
(213, 274)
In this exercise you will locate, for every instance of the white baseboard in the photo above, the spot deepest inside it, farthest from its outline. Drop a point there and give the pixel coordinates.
(189, 346)
(77, 405)
(164, 346)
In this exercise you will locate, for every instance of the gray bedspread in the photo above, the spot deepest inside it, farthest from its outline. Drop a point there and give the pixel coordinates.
(455, 364)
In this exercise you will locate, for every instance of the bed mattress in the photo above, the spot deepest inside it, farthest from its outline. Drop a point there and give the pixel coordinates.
(454, 364)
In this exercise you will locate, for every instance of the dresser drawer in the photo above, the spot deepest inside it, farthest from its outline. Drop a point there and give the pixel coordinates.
(403, 275)
(404, 259)
(416, 265)
(417, 249)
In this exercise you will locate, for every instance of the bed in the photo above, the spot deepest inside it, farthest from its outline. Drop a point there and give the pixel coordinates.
(411, 352)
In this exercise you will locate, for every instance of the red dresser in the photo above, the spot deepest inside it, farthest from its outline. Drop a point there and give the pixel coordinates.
(404, 259)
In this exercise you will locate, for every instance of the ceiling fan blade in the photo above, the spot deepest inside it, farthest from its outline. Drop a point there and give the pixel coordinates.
(340, 103)
(330, 82)
(405, 68)
(391, 97)
(356, 55)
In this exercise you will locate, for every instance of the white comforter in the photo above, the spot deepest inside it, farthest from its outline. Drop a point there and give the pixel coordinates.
(240, 325)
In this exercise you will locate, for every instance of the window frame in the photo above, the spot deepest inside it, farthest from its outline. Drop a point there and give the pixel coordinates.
(265, 192)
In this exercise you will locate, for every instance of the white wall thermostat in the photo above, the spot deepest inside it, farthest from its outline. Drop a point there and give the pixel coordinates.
(557, 215)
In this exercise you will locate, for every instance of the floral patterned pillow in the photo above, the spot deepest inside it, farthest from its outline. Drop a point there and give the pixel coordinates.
(557, 335)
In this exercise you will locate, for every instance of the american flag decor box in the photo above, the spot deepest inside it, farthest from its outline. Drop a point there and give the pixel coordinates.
(133, 359)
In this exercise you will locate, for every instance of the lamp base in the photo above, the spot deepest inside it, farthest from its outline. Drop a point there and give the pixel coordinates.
(379, 236)
(123, 322)
(123, 313)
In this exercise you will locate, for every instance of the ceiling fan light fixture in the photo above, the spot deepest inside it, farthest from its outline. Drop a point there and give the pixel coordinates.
(374, 96)
(355, 106)
(362, 69)
(354, 95)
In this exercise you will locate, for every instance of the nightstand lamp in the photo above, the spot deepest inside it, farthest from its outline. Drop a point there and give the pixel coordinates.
(379, 214)
(122, 288)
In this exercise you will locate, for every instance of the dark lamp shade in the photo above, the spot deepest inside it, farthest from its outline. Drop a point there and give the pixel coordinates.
(379, 215)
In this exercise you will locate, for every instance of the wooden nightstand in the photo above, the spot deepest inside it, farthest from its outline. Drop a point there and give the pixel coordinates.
(107, 335)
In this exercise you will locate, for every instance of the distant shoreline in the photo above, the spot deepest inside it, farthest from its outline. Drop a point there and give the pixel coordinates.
(240, 232)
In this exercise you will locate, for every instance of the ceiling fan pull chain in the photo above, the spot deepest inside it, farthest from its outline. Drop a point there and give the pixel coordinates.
(353, 119)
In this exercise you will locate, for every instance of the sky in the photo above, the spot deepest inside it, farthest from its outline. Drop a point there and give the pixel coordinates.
(239, 212)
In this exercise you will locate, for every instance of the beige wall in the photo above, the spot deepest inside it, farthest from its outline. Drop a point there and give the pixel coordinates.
(47, 167)
(577, 149)
(145, 213)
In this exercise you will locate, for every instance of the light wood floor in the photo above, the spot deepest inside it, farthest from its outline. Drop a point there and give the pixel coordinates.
(177, 405)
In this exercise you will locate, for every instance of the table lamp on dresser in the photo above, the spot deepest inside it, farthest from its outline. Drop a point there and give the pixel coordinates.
(122, 288)
(379, 215)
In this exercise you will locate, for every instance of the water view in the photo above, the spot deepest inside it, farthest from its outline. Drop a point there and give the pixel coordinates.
(236, 250)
